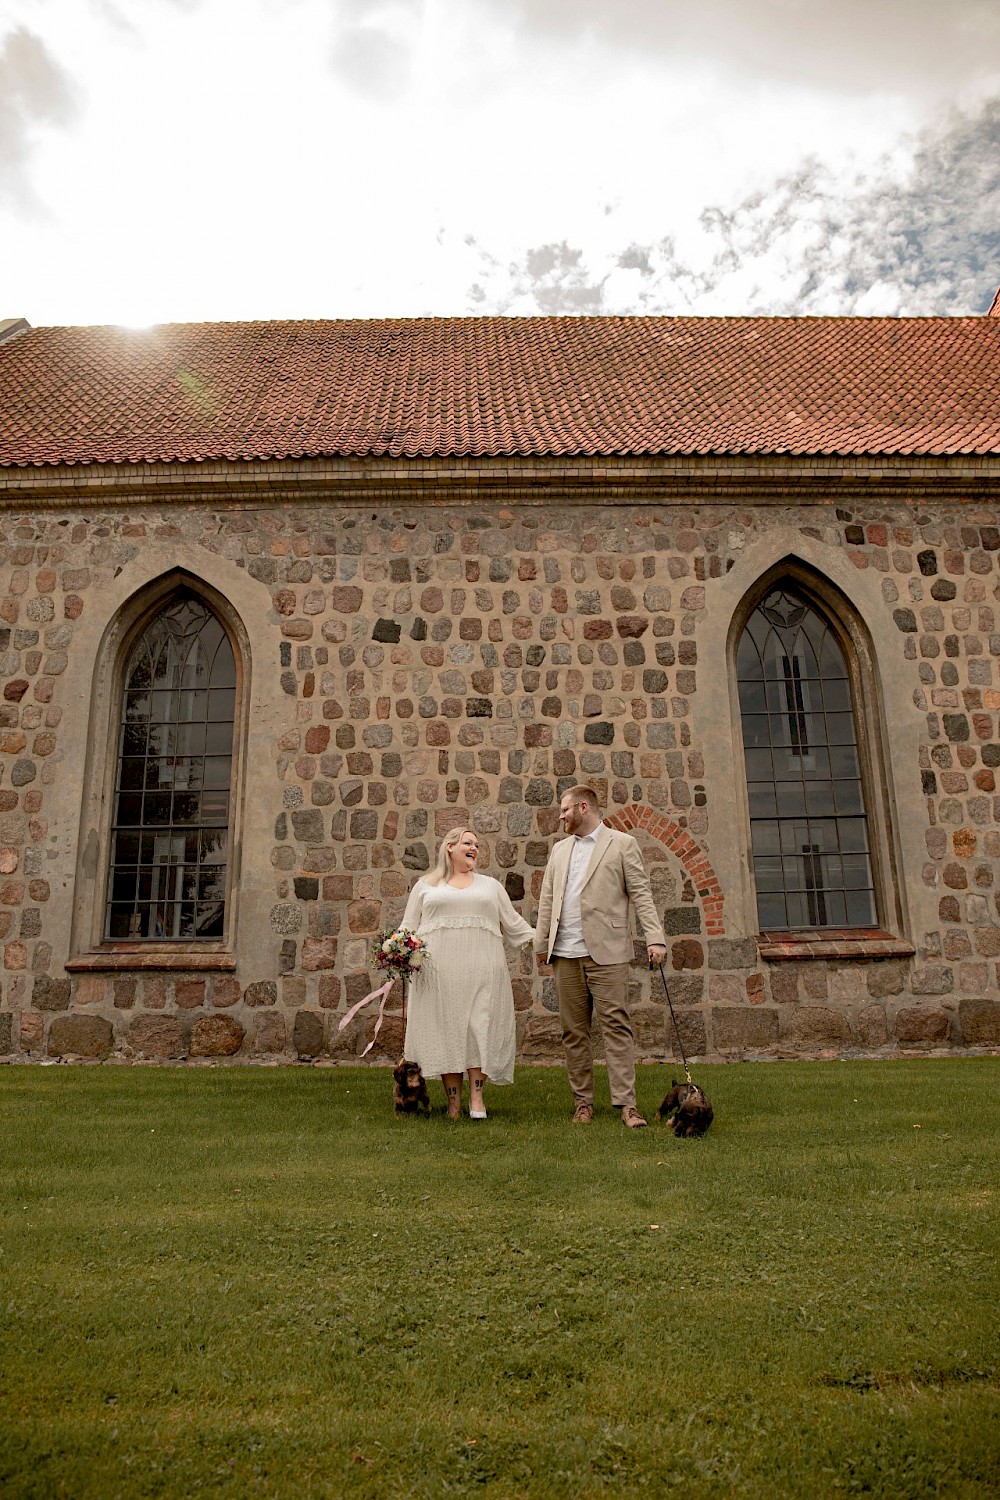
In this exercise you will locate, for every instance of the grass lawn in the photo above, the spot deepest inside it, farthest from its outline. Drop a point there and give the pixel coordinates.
(257, 1282)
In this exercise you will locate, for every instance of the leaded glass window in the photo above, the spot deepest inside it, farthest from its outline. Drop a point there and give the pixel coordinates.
(808, 825)
(169, 839)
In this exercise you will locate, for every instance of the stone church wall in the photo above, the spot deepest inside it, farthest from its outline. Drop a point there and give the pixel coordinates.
(428, 665)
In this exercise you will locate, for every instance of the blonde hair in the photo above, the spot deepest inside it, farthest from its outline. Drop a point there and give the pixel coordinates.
(442, 870)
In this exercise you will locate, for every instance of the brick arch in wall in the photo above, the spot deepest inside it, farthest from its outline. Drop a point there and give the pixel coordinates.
(680, 843)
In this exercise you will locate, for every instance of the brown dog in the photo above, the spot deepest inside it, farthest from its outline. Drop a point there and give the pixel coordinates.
(409, 1089)
(687, 1109)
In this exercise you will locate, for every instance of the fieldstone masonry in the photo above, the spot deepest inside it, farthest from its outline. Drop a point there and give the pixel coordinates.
(440, 663)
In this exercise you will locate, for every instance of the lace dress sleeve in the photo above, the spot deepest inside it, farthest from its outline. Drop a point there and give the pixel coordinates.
(513, 926)
(414, 907)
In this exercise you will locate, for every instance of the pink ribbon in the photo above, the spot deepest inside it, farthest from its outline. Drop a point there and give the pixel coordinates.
(381, 995)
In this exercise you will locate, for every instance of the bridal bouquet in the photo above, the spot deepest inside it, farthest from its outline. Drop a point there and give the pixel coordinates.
(401, 953)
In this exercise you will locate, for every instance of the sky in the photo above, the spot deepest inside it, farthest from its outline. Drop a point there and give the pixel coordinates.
(188, 160)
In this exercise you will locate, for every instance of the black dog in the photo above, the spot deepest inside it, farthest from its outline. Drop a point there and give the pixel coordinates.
(687, 1109)
(409, 1089)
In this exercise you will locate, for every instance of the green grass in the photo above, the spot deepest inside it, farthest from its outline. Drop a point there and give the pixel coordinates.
(257, 1282)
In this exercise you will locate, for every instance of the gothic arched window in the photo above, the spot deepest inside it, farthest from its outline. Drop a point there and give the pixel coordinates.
(810, 835)
(169, 860)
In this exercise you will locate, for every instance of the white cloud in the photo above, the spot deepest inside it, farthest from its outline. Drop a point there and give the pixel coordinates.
(35, 93)
(372, 61)
(921, 239)
(311, 158)
(373, 45)
(853, 45)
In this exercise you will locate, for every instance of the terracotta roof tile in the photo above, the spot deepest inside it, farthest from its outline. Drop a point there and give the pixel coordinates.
(473, 387)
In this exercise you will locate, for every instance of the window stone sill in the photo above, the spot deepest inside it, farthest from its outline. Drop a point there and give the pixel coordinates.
(850, 942)
(149, 958)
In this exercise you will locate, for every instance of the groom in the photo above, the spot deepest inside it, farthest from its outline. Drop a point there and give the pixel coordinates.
(583, 930)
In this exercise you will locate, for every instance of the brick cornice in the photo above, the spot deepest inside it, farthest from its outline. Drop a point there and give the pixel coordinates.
(715, 479)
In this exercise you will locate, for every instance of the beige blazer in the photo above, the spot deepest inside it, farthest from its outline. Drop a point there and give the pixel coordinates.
(615, 880)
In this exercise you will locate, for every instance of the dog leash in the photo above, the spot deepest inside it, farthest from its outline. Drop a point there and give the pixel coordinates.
(677, 1029)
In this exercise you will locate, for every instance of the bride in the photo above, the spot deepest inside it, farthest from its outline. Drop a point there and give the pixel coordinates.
(461, 1012)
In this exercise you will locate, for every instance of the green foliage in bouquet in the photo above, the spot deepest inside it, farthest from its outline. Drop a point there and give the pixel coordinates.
(401, 953)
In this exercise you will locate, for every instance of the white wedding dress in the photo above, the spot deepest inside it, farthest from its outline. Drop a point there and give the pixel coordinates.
(460, 1007)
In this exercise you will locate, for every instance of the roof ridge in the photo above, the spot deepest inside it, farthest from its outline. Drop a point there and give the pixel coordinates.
(509, 320)
(11, 327)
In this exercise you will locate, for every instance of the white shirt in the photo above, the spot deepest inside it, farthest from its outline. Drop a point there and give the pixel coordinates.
(569, 941)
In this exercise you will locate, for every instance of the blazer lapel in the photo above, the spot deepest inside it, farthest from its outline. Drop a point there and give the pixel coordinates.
(601, 846)
(562, 851)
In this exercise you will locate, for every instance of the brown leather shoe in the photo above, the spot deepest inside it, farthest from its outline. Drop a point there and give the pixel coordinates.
(584, 1114)
(632, 1118)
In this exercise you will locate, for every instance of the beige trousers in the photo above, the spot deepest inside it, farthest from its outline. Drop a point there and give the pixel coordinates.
(584, 987)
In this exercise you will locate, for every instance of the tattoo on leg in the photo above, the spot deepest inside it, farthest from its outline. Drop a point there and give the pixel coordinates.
(452, 1093)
